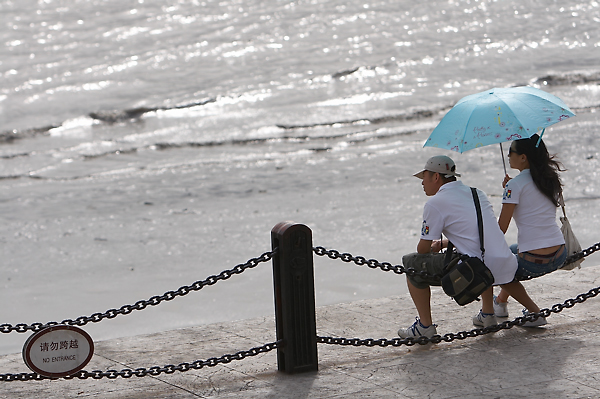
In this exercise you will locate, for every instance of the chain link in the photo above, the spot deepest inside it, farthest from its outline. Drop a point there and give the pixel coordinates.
(583, 253)
(399, 269)
(153, 371)
(140, 305)
(372, 263)
(569, 303)
(226, 274)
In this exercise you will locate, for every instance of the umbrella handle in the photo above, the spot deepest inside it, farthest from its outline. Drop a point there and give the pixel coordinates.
(503, 162)
(540, 139)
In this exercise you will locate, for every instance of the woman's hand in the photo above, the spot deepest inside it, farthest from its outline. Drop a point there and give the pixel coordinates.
(506, 180)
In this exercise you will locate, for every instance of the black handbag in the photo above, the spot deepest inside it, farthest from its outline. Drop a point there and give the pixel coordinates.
(466, 277)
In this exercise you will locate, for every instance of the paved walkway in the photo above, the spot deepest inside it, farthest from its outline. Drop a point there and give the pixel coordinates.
(557, 361)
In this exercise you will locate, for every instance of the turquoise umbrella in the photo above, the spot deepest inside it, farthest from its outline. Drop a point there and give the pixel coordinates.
(496, 116)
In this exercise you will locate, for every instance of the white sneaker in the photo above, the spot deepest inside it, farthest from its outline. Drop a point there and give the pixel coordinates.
(540, 321)
(500, 309)
(484, 320)
(418, 330)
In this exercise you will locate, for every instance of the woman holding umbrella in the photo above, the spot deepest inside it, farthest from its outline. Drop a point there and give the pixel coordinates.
(531, 199)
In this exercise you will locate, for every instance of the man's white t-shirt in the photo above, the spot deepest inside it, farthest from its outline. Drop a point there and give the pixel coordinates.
(535, 214)
(451, 211)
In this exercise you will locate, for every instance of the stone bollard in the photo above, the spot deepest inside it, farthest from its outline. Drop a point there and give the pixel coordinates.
(293, 279)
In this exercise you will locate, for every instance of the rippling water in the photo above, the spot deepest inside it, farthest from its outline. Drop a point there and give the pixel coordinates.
(145, 144)
(95, 78)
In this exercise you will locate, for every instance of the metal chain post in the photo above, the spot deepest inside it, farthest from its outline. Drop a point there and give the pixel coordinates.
(294, 283)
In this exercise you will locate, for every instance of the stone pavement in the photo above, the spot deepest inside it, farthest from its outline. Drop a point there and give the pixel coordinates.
(559, 360)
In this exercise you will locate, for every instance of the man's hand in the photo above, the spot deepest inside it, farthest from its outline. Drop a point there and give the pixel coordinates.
(436, 246)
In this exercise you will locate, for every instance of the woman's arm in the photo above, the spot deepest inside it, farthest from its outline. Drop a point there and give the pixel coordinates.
(506, 216)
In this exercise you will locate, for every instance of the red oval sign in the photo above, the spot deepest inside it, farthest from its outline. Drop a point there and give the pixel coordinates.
(58, 351)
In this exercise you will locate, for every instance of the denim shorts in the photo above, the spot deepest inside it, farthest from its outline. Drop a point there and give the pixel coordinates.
(532, 265)
(431, 263)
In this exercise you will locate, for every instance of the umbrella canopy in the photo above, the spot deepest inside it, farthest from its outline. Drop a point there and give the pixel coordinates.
(495, 116)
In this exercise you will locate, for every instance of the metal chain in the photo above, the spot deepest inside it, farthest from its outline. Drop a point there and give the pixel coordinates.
(582, 254)
(141, 305)
(372, 263)
(153, 371)
(382, 342)
(569, 303)
(211, 362)
(399, 269)
(224, 275)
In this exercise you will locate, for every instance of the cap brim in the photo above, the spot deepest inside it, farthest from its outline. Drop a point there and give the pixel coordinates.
(420, 174)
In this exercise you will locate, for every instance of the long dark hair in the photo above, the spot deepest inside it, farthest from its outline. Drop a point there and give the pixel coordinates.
(544, 168)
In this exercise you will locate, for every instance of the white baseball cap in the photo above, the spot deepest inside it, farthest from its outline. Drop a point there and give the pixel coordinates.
(439, 164)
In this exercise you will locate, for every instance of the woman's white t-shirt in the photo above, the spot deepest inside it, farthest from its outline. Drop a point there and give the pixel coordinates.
(535, 214)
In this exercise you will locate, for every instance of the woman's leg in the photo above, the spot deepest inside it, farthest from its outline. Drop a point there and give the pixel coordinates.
(502, 296)
(517, 291)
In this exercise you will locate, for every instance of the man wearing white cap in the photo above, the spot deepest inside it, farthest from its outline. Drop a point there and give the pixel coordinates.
(451, 211)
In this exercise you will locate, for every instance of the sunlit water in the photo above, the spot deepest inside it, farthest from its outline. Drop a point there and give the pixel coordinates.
(147, 145)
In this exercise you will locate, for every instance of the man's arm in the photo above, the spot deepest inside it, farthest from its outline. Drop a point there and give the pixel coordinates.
(424, 246)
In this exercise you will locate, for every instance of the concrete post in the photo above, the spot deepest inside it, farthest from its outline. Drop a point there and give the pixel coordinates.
(293, 279)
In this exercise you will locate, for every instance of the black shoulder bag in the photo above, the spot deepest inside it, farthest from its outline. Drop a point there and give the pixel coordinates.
(466, 277)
